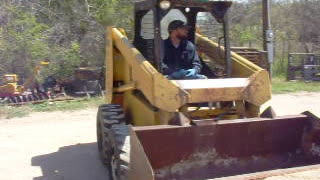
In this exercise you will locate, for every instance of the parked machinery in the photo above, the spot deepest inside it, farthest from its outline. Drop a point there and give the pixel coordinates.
(10, 85)
(85, 81)
(305, 66)
(14, 94)
(256, 56)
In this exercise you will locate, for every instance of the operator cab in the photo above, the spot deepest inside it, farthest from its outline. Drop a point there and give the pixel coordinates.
(10, 78)
(152, 18)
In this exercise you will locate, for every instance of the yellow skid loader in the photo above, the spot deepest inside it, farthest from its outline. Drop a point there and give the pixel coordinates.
(153, 128)
(10, 86)
(14, 94)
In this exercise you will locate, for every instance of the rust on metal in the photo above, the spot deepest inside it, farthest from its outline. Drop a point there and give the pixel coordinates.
(271, 173)
(226, 148)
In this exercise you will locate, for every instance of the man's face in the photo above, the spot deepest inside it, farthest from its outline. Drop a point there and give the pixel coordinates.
(182, 33)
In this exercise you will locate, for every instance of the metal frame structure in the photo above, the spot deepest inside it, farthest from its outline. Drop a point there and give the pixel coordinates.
(153, 49)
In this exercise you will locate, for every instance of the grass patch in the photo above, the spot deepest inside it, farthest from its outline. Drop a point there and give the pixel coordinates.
(281, 86)
(8, 112)
(67, 105)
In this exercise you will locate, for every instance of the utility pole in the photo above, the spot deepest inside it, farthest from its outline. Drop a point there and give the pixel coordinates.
(268, 35)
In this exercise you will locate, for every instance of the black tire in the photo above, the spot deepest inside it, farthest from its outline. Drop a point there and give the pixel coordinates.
(113, 140)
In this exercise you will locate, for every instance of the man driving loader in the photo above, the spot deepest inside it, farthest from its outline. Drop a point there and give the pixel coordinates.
(181, 60)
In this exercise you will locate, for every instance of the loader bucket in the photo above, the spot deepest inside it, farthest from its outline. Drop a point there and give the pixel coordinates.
(211, 149)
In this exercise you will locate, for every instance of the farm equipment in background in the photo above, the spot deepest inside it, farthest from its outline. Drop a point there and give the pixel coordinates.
(256, 56)
(152, 128)
(303, 66)
(86, 81)
(10, 86)
(14, 94)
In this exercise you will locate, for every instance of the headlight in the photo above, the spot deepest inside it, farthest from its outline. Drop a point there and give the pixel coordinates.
(165, 5)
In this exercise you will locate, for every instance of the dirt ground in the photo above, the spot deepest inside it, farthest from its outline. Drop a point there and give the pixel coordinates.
(287, 104)
(62, 145)
(50, 146)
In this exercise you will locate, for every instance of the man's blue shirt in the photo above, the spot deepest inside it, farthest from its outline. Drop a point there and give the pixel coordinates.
(184, 56)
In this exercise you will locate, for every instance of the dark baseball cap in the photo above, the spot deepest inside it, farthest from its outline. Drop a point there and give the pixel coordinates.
(177, 24)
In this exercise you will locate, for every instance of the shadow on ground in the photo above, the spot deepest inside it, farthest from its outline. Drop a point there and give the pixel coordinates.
(76, 162)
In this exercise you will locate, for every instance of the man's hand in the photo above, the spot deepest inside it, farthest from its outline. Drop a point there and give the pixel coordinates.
(164, 68)
(178, 74)
(191, 72)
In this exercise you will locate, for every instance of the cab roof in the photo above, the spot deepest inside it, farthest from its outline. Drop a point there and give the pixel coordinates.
(206, 5)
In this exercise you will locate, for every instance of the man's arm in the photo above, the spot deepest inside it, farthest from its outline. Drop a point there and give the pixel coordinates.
(196, 62)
